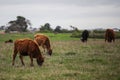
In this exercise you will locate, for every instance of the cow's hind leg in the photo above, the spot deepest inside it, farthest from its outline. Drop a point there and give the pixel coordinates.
(31, 58)
(113, 39)
(21, 58)
(14, 56)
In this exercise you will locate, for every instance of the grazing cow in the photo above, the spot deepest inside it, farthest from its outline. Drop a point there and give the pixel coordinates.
(9, 41)
(43, 41)
(109, 35)
(27, 47)
(85, 35)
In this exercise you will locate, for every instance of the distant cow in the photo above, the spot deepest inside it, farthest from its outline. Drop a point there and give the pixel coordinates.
(9, 41)
(85, 35)
(109, 35)
(43, 41)
(27, 47)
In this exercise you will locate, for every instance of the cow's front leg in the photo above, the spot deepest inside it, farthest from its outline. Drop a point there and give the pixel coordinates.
(31, 58)
(21, 58)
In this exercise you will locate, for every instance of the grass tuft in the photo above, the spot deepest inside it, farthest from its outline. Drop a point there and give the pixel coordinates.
(70, 53)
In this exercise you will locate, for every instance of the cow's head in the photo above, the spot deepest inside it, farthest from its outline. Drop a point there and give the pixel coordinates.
(50, 52)
(40, 61)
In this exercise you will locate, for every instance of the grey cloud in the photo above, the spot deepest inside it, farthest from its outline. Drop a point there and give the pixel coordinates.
(67, 2)
(63, 12)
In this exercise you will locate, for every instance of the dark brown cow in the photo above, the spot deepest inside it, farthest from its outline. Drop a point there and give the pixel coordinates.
(27, 47)
(43, 41)
(109, 35)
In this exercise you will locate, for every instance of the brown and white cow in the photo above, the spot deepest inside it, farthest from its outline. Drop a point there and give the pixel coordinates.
(27, 47)
(43, 41)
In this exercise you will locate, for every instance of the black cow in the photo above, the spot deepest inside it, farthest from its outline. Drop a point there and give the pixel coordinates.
(9, 41)
(85, 35)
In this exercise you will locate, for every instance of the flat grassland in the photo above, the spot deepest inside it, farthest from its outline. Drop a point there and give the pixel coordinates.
(71, 60)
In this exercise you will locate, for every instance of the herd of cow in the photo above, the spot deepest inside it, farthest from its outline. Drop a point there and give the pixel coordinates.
(29, 47)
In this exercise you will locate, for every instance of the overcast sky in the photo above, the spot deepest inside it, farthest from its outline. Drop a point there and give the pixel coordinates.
(83, 14)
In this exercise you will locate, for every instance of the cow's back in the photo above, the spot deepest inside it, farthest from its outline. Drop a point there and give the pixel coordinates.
(42, 39)
(26, 46)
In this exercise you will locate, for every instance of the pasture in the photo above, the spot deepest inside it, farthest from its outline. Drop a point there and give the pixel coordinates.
(71, 60)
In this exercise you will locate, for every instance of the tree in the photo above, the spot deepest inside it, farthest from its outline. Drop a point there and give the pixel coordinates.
(46, 28)
(74, 28)
(75, 32)
(2, 27)
(20, 24)
(57, 29)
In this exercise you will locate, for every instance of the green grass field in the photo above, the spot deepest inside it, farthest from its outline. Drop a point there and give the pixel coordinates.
(71, 60)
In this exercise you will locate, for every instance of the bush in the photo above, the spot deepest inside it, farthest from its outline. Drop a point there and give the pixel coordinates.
(76, 34)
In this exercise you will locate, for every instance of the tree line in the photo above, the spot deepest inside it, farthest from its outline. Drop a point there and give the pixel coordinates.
(21, 25)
